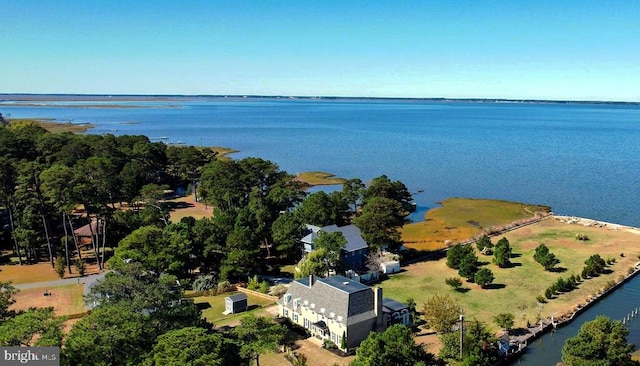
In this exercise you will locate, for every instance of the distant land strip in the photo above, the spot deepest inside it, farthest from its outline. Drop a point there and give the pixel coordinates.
(25, 97)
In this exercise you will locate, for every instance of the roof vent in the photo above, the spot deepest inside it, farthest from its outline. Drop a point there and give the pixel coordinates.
(345, 283)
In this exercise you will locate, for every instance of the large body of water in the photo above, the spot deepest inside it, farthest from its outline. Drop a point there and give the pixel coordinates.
(580, 159)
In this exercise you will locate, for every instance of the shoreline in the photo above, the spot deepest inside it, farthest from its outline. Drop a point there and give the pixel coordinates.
(550, 323)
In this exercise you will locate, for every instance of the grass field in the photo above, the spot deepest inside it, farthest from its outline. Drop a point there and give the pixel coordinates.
(18, 274)
(187, 206)
(65, 300)
(515, 289)
(460, 219)
(213, 306)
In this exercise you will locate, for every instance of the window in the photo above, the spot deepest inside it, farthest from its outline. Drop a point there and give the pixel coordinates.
(285, 313)
(307, 323)
(295, 317)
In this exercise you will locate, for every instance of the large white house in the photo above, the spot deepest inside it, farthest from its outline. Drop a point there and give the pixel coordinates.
(340, 310)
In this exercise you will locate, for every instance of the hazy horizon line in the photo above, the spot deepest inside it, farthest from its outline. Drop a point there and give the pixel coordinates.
(333, 97)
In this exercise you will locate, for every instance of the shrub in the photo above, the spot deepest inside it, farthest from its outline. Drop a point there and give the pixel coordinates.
(582, 236)
(609, 284)
(223, 286)
(548, 293)
(60, 266)
(454, 282)
(253, 284)
(81, 266)
(278, 290)
(264, 287)
(541, 299)
(329, 344)
(204, 283)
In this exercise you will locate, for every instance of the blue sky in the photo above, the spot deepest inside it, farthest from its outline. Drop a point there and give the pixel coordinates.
(575, 50)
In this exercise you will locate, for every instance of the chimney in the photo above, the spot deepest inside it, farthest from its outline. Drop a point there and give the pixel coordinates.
(312, 280)
(377, 308)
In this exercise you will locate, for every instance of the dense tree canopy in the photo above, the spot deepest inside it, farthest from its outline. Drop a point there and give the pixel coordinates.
(194, 346)
(258, 335)
(158, 250)
(599, 342)
(35, 327)
(393, 347)
(380, 221)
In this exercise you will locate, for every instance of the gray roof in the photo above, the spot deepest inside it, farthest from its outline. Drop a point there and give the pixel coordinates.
(237, 297)
(351, 233)
(350, 300)
(391, 305)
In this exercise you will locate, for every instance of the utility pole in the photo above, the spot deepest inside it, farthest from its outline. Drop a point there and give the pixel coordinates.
(461, 332)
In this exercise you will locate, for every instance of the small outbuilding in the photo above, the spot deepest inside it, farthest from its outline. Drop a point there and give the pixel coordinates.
(235, 304)
(390, 267)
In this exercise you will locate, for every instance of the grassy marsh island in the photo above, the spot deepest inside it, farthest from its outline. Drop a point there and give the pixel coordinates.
(461, 219)
(53, 126)
(319, 179)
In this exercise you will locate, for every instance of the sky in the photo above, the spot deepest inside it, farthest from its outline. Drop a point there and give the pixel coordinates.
(561, 50)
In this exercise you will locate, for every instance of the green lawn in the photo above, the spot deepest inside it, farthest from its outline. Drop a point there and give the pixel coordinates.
(213, 307)
(517, 287)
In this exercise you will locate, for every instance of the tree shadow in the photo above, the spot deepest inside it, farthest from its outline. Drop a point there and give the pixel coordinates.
(203, 305)
(172, 206)
(607, 271)
(495, 286)
(518, 332)
(511, 265)
(463, 290)
(558, 270)
(516, 255)
(482, 263)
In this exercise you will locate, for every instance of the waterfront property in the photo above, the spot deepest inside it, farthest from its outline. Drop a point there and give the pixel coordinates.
(353, 253)
(340, 310)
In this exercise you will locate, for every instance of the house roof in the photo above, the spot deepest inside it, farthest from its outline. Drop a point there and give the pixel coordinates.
(390, 305)
(351, 233)
(237, 297)
(350, 302)
(88, 229)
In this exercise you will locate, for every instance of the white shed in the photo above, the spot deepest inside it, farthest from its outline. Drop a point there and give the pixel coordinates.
(390, 267)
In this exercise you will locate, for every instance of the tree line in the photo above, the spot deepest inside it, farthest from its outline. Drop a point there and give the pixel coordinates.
(259, 211)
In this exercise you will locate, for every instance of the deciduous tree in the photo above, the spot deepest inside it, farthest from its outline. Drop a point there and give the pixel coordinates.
(441, 312)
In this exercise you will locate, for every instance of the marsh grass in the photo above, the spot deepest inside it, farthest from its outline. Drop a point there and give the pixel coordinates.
(460, 219)
(319, 179)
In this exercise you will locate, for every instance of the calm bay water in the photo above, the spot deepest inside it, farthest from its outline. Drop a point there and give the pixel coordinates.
(580, 159)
